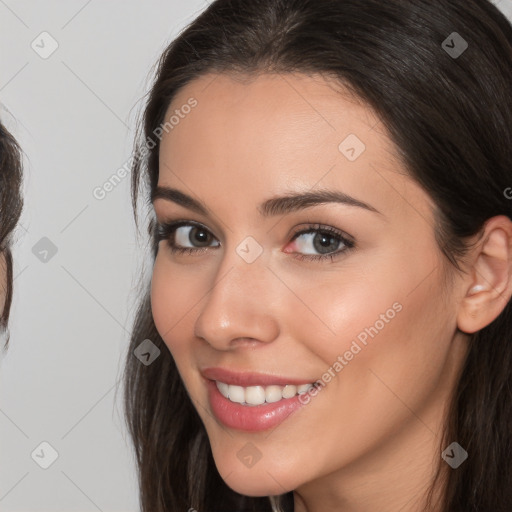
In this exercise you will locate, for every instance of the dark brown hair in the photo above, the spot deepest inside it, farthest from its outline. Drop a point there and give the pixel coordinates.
(450, 118)
(11, 205)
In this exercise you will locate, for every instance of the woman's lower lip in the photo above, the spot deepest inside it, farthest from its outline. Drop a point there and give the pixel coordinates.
(250, 418)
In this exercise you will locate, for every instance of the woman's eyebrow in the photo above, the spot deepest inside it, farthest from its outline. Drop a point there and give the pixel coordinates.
(271, 207)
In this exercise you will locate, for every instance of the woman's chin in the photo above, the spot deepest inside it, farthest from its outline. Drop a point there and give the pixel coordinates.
(253, 481)
(255, 485)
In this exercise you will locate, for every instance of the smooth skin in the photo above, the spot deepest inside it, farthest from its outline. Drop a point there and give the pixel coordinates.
(370, 439)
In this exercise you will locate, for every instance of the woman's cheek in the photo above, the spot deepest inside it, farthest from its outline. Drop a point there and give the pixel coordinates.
(166, 302)
(174, 295)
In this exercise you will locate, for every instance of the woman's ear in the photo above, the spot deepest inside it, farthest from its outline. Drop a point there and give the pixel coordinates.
(489, 285)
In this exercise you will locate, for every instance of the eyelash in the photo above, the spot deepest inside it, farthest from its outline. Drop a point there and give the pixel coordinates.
(166, 231)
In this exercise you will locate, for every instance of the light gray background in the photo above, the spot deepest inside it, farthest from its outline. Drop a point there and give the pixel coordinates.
(74, 114)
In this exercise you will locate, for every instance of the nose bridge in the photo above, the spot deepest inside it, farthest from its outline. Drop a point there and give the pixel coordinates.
(238, 303)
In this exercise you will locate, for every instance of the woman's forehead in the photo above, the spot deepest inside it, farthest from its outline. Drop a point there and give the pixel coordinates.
(276, 133)
(273, 123)
(311, 96)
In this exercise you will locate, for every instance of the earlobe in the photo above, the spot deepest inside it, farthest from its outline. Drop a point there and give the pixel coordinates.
(490, 288)
(477, 288)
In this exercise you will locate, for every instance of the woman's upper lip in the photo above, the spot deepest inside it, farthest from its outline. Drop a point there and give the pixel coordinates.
(246, 379)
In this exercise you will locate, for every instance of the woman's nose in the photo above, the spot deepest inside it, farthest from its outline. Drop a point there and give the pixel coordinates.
(241, 306)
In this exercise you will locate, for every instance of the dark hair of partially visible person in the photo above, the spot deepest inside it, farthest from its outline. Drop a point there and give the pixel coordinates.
(11, 204)
(450, 118)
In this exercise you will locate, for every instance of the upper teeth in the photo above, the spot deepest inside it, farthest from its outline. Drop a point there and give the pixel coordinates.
(257, 395)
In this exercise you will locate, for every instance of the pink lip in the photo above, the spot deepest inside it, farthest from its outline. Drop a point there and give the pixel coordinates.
(249, 418)
(244, 417)
(249, 378)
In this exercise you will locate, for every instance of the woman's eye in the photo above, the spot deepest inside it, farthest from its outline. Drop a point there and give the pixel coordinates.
(185, 237)
(315, 243)
(193, 235)
(318, 243)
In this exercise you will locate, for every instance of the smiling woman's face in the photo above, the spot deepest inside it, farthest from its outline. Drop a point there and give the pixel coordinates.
(368, 314)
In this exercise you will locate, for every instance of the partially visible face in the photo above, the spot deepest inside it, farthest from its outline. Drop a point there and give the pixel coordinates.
(11, 203)
(369, 317)
(3, 281)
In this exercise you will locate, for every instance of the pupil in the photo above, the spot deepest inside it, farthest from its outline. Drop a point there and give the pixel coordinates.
(198, 236)
(324, 241)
